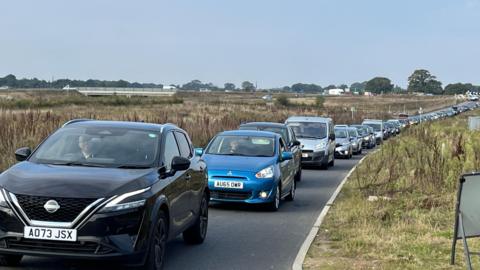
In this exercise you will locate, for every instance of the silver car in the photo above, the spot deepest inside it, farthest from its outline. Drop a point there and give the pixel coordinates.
(356, 140)
(317, 138)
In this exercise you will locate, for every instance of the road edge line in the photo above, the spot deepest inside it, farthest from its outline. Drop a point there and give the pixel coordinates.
(302, 253)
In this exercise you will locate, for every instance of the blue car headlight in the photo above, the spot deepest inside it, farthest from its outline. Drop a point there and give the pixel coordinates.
(265, 173)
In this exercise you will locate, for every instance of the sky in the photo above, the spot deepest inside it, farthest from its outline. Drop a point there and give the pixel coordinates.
(271, 42)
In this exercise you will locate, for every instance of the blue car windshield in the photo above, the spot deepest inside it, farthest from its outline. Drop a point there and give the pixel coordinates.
(99, 147)
(235, 145)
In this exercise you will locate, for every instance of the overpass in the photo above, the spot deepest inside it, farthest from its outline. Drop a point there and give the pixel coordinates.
(117, 91)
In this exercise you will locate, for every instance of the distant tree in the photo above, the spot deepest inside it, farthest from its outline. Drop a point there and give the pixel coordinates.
(343, 86)
(422, 81)
(459, 88)
(319, 101)
(286, 89)
(248, 86)
(379, 85)
(358, 86)
(306, 88)
(193, 85)
(229, 86)
(399, 90)
(283, 100)
(331, 86)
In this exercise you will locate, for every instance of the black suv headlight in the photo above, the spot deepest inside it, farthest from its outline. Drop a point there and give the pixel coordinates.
(126, 201)
(3, 201)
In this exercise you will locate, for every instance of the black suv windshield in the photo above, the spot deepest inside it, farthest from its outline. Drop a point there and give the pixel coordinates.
(313, 130)
(233, 145)
(99, 147)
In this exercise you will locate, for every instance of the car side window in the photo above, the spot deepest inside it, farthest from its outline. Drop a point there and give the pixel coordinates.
(170, 151)
(291, 137)
(282, 146)
(184, 145)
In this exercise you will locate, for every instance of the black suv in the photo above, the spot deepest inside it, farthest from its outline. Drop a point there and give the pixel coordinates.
(104, 190)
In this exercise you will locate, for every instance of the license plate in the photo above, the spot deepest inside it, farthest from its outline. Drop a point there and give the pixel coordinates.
(304, 155)
(54, 234)
(229, 184)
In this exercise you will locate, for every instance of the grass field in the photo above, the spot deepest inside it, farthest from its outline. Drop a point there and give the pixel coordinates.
(417, 174)
(27, 117)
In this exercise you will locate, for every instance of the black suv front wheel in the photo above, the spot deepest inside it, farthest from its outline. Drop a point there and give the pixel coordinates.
(10, 260)
(156, 255)
(197, 233)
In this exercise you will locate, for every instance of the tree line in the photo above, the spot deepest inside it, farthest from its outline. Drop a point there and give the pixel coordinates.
(421, 81)
(12, 82)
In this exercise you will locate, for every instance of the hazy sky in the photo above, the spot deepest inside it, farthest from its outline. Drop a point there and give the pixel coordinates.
(272, 42)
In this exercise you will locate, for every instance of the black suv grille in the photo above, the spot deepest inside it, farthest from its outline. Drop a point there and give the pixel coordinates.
(57, 247)
(70, 208)
(228, 195)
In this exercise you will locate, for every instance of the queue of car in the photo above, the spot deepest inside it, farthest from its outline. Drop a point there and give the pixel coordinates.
(121, 190)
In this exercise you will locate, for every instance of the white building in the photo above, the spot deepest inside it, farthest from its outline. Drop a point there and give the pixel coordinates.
(336, 92)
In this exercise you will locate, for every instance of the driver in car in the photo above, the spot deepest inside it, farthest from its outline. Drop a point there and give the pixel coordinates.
(86, 146)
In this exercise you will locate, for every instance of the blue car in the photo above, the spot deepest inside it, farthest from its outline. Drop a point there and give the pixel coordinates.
(251, 167)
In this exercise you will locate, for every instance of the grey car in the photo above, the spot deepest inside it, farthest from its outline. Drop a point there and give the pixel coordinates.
(364, 133)
(317, 137)
(343, 148)
(356, 140)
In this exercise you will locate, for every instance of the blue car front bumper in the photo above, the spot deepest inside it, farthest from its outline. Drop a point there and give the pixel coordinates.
(250, 192)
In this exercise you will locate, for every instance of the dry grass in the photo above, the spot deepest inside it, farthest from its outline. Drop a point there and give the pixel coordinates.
(202, 115)
(413, 230)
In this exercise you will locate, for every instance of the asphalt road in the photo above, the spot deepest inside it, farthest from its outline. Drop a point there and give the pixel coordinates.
(242, 237)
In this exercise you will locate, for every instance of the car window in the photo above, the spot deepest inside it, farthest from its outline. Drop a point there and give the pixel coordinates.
(184, 145)
(240, 145)
(170, 151)
(341, 133)
(309, 130)
(102, 146)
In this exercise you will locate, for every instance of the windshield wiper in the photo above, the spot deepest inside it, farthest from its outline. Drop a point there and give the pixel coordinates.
(308, 137)
(76, 163)
(133, 167)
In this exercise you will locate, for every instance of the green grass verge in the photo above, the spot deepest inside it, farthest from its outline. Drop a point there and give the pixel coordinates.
(412, 228)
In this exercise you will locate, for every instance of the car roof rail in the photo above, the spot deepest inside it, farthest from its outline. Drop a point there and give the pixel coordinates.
(75, 121)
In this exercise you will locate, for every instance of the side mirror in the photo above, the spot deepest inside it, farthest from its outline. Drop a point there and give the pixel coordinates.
(198, 152)
(22, 153)
(180, 164)
(287, 155)
(296, 143)
(332, 137)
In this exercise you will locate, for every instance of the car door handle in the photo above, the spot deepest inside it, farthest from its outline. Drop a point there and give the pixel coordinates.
(188, 177)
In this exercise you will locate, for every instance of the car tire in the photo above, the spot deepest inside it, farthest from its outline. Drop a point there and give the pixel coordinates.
(298, 175)
(10, 260)
(332, 163)
(156, 253)
(291, 195)
(275, 204)
(197, 233)
(324, 166)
